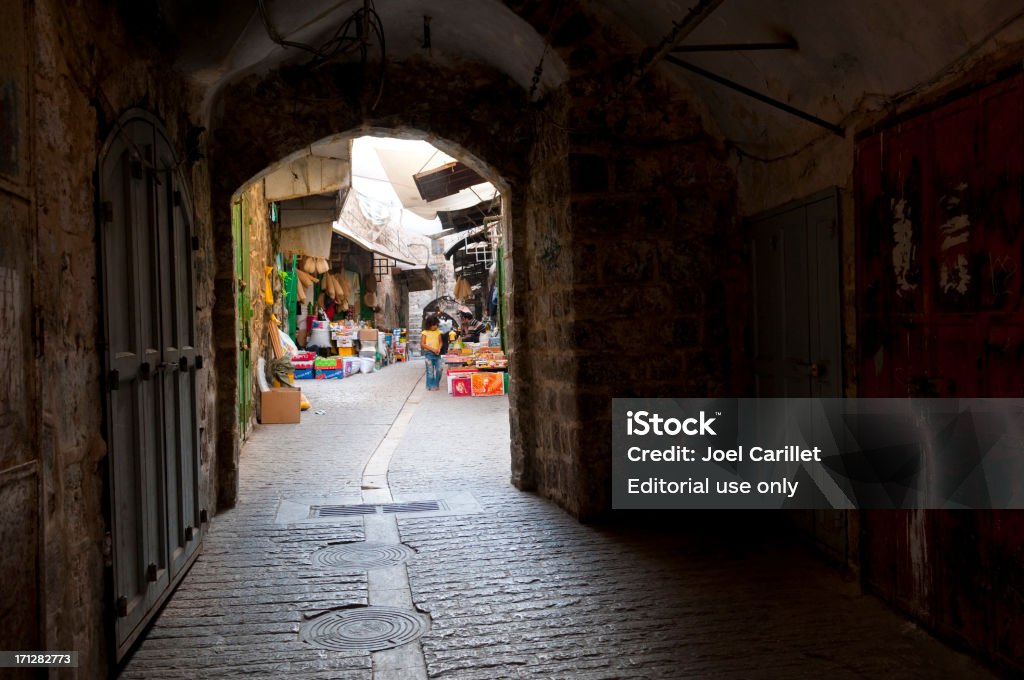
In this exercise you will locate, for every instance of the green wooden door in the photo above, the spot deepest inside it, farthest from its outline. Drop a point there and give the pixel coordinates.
(240, 234)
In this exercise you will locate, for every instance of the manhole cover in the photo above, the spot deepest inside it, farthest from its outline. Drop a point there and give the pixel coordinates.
(361, 556)
(366, 629)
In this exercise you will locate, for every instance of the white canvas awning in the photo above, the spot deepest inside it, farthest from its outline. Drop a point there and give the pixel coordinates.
(400, 164)
(372, 246)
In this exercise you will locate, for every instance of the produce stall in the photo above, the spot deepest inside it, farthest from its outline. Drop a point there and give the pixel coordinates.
(478, 371)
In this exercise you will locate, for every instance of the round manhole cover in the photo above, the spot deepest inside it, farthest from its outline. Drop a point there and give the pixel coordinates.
(361, 556)
(365, 629)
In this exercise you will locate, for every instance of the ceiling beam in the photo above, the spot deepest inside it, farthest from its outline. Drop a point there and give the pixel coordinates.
(738, 47)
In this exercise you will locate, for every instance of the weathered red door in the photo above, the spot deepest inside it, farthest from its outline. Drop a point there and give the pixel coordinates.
(940, 267)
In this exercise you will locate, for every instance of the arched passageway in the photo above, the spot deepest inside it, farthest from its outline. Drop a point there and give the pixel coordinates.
(630, 176)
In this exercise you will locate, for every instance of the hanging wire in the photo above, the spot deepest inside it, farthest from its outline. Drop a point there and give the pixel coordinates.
(351, 36)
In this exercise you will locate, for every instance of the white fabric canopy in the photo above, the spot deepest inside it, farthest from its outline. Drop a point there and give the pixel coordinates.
(414, 157)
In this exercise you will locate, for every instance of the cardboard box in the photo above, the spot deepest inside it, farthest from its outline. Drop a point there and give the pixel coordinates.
(330, 373)
(303, 373)
(368, 335)
(280, 405)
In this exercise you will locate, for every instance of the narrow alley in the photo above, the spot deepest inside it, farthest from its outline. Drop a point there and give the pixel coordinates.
(513, 588)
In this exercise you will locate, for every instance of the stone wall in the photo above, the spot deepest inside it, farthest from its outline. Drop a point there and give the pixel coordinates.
(263, 236)
(632, 229)
(86, 66)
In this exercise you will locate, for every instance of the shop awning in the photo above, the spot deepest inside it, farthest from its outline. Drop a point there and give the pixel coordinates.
(371, 246)
(401, 165)
(416, 279)
(473, 216)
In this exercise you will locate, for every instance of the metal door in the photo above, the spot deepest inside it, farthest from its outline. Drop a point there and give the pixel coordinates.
(939, 285)
(797, 324)
(146, 253)
(240, 234)
(796, 301)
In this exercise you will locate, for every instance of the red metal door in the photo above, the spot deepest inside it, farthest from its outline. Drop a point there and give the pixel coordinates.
(939, 277)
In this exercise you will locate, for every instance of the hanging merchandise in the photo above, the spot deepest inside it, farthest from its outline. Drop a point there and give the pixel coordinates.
(370, 300)
(352, 278)
(305, 279)
(462, 290)
(269, 294)
(308, 265)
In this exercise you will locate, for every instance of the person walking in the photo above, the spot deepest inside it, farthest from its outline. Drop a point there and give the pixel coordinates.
(430, 342)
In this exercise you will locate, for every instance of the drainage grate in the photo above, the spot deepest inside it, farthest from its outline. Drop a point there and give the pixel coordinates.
(416, 506)
(364, 509)
(361, 556)
(341, 510)
(364, 629)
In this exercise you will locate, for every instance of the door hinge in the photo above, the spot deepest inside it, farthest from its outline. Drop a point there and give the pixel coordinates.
(151, 572)
(199, 365)
(189, 533)
(113, 380)
(203, 516)
(122, 606)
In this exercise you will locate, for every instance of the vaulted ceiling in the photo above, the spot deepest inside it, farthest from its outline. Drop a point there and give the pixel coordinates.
(851, 55)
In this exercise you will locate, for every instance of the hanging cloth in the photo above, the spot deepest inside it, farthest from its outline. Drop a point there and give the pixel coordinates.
(462, 289)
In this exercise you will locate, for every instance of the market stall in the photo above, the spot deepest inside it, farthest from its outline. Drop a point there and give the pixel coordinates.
(477, 370)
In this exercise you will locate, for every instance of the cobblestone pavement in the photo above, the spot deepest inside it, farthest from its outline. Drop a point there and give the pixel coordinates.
(519, 589)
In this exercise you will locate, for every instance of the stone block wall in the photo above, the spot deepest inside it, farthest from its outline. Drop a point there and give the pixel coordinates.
(77, 68)
(632, 231)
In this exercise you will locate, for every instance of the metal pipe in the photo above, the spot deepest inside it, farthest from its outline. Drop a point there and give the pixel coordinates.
(738, 47)
(690, 22)
(782, 106)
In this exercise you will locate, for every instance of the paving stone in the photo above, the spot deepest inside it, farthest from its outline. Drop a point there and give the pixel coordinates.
(520, 590)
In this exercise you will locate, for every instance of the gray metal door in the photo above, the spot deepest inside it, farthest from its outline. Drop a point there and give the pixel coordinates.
(146, 243)
(797, 327)
(796, 301)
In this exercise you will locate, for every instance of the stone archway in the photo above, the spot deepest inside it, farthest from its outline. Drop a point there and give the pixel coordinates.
(251, 134)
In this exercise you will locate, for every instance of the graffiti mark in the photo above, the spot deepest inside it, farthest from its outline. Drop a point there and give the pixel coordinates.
(956, 231)
(957, 277)
(903, 251)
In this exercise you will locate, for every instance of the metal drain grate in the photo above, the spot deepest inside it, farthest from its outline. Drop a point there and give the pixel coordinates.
(364, 629)
(364, 509)
(361, 556)
(341, 510)
(416, 506)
